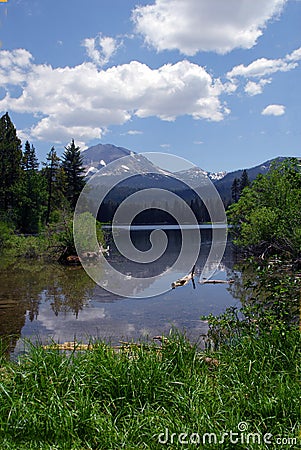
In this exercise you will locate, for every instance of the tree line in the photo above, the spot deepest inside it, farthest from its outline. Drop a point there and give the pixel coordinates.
(239, 184)
(32, 196)
(266, 219)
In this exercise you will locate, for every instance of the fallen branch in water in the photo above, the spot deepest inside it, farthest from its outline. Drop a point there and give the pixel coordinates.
(127, 348)
(68, 346)
(184, 280)
(216, 281)
(160, 339)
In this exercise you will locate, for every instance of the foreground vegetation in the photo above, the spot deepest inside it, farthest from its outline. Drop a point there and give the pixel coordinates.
(245, 381)
(102, 399)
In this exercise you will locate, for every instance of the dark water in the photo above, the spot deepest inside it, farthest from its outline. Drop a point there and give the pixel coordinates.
(49, 301)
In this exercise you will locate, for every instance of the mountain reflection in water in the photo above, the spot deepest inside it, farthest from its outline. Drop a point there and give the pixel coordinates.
(49, 301)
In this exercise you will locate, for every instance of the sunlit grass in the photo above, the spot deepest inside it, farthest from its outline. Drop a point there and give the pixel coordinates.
(103, 399)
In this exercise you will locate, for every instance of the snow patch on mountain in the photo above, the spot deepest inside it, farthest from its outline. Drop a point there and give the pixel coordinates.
(216, 175)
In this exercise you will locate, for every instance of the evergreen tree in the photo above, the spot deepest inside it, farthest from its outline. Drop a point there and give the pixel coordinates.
(29, 160)
(10, 162)
(52, 175)
(30, 193)
(72, 163)
(244, 180)
(235, 189)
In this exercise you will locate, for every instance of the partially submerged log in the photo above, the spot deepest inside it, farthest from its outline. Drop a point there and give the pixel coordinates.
(190, 276)
(161, 339)
(71, 346)
(68, 346)
(73, 259)
(184, 280)
(128, 349)
(216, 281)
(93, 256)
(66, 258)
(89, 256)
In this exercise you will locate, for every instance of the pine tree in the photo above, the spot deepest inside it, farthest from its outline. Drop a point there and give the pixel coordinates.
(51, 172)
(244, 180)
(30, 193)
(235, 189)
(72, 164)
(29, 160)
(10, 162)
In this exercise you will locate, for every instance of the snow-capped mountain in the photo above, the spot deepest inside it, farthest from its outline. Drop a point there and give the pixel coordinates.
(125, 173)
(195, 175)
(101, 155)
(110, 159)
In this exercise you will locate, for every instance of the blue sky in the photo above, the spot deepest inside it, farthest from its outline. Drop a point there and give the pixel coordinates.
(214, 81)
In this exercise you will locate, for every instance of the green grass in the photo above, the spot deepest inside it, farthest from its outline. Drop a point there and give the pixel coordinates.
(101, 399)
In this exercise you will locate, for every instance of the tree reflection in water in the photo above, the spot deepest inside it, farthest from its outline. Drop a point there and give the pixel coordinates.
(25, 284)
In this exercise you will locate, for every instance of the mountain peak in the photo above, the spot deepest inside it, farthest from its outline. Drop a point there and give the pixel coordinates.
(100, 155)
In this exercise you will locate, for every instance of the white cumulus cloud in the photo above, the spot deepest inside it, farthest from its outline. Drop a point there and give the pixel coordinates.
(191, 26)
(81, 102)
(100, 49)
(295, 55)
(252, 88)
(261, 68)
(14, 65)
(273, 110)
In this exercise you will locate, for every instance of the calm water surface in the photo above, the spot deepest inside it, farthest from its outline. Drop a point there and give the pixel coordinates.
(50, 301)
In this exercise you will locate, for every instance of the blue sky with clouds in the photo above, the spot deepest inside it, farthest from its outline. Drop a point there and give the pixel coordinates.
(214, 81)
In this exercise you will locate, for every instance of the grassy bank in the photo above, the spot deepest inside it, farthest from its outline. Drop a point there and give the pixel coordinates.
(53, 241)
(101, 399)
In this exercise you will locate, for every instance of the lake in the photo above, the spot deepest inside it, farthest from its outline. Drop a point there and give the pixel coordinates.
(44, 301)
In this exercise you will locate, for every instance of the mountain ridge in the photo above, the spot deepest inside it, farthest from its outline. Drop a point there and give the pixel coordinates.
(100, 156)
